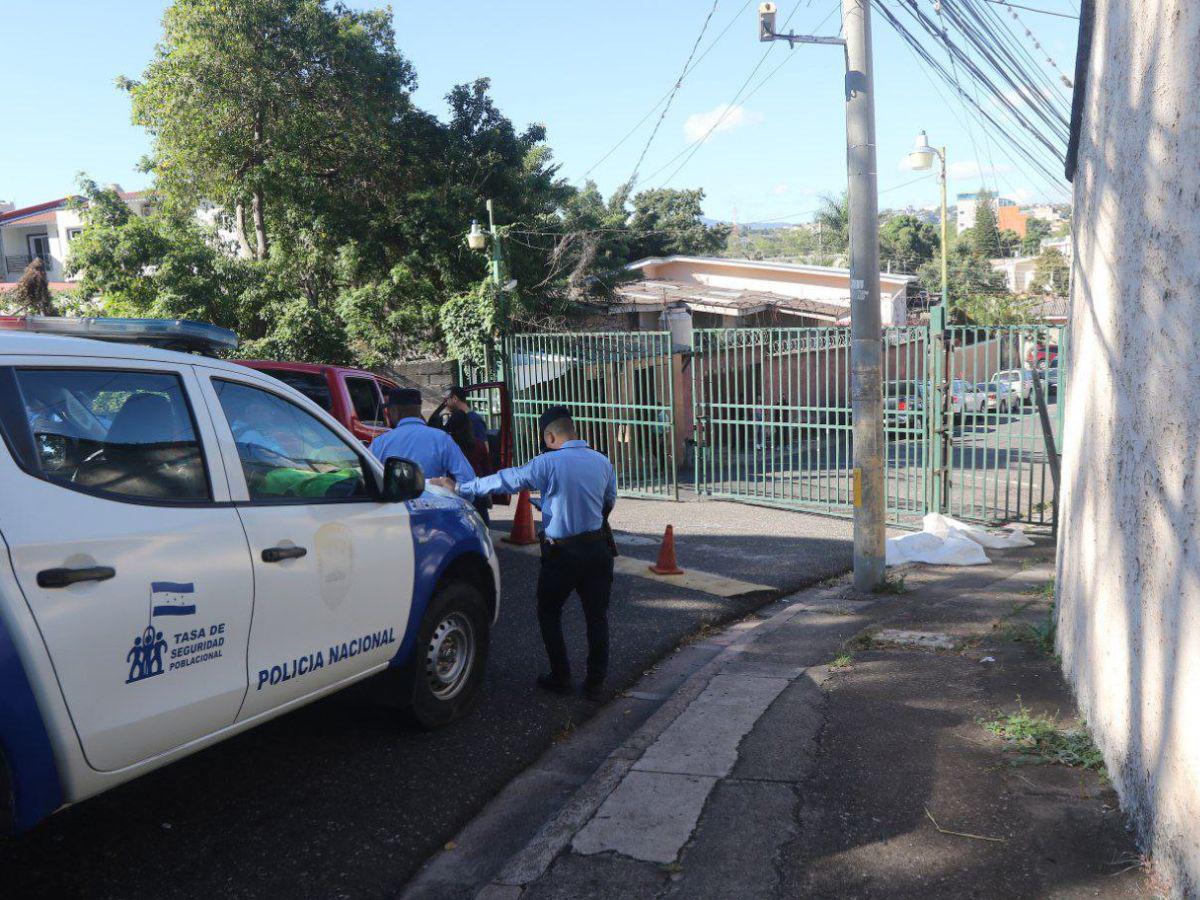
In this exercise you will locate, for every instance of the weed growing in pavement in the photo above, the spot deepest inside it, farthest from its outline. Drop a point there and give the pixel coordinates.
(1045, 591)
(842, 661)
(1041, 636)
(864, 641)
(1041, 739)
(891, 585)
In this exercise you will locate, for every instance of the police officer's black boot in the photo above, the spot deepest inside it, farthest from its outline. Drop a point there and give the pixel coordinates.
(554, 685)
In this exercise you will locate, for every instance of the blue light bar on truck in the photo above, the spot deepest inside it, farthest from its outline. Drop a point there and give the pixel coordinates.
(169, 334)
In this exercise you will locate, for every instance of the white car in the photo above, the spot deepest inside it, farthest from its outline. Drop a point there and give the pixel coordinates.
(999, 397)
(1019, 381)
(192, 548)
(966, 399)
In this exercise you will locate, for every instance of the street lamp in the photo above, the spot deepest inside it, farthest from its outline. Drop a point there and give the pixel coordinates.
(476, 239)
(921, 159)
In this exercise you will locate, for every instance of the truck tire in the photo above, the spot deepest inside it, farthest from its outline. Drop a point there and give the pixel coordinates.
(450, 656)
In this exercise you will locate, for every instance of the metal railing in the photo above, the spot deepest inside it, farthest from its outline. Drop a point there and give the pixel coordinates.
(621, 390)
(16, 264)
(772, 418)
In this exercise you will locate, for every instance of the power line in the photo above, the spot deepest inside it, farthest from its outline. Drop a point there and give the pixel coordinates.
(653, 109)
(1044, 12)
(689, 152)
(671, 97)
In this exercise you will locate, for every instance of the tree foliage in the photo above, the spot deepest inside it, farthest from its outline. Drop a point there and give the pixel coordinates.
(1052, 272)
(985, 233)
(338, 208)
(907, 242)
(1036, 230)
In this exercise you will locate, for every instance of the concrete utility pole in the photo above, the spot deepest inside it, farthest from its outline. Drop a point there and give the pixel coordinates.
(866, 327)
(866, 335)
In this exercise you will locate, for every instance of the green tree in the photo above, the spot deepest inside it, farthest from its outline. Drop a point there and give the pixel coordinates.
(1010, 242)
(667, 221)
(833, 224)
(969, 275)
(1036, 230)
(985, 233)
(907, 243)
(1051, 272)
(997, 309)
(258, 105)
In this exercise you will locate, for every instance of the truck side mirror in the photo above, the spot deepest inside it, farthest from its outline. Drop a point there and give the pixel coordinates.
(402, 480)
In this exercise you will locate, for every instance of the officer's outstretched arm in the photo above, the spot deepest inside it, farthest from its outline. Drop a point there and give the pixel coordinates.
(530, 476)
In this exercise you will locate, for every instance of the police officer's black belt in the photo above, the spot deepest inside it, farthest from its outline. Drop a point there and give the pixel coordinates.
(588, 537)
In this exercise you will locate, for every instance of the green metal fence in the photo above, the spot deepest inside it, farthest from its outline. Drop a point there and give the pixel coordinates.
(621, 390)
(773, 420)
(997, 468)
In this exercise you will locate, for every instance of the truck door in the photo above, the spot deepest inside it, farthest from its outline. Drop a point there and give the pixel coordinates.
(130, 557)
(333, 566)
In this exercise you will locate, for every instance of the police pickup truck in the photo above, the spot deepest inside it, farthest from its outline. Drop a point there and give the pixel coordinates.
(189, 548)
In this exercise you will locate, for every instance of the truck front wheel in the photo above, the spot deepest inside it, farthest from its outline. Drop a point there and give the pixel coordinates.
(447, 669)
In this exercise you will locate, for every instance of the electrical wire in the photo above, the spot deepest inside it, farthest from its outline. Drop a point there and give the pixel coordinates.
(1044, 12)
(653, 109)
(632, 180)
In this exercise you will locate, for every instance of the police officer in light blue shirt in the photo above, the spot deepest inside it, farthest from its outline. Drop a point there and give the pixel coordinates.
(410, 438)
(578, 488)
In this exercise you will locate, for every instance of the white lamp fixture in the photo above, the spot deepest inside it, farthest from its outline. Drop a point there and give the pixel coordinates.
(476, 239)
(921, 156)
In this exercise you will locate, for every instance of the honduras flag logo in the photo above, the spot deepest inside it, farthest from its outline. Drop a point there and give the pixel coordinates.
(172, 598)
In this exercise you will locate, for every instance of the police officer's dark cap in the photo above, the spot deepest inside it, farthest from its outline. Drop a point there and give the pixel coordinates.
(404, 397)
(553, 414)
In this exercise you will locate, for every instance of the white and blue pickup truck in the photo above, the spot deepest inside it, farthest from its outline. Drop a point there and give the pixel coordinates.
(189, 548)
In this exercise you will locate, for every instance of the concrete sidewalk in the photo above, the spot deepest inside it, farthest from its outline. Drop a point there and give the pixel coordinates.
(835, 746)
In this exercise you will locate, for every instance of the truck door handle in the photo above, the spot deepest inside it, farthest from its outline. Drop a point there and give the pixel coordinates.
(279, 554)
(59, 578)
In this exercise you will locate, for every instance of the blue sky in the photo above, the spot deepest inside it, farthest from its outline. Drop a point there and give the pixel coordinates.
(588, 69)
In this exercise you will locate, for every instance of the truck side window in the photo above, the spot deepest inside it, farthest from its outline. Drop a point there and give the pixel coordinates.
(125, 433)
(368, 405)
(311, 384)
(287, 454)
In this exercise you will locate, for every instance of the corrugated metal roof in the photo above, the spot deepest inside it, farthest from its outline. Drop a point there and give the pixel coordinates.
(657, 292)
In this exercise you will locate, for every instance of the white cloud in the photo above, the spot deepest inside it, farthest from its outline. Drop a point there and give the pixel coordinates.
(972, 168)
(780, 189)
(698, 126)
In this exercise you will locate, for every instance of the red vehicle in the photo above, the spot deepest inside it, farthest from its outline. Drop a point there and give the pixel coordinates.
(352, 396)
(1042, 356)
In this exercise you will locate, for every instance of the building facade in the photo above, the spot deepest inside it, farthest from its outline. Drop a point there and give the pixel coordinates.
(45, 231)
(965, 206)
(1128, 580)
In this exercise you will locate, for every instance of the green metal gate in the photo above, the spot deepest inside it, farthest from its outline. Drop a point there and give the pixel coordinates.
(772, 419)
(621, 390)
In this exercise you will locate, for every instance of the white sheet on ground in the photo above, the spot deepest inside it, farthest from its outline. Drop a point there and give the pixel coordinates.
(948, 542)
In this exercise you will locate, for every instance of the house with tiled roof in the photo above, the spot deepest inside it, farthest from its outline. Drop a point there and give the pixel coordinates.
(45, 231)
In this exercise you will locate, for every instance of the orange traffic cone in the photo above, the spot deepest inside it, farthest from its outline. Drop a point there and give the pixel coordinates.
(666, 564)
(522, 529)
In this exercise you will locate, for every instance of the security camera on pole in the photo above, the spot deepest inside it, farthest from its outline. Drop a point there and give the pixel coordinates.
(866, 327)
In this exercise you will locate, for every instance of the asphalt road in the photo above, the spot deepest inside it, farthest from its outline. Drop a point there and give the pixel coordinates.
(338, 799)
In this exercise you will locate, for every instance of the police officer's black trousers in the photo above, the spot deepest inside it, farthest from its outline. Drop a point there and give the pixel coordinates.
(587, 569)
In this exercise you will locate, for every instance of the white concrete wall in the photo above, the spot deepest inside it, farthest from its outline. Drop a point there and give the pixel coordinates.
(1129, 548)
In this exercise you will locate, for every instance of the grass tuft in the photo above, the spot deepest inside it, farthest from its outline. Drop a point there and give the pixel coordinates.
(1041, 739)
(842, 661)
(891, 585)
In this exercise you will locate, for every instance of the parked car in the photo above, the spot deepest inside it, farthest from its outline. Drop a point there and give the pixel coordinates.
(192, 548)
(904, 403)
(999, 397)
(965, 398)
(352, 396)
(1019, 381)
